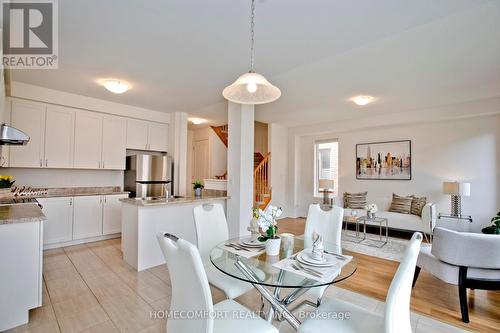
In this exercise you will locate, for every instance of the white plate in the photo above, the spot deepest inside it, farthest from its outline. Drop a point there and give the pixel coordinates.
(306, 259)
(253, 244)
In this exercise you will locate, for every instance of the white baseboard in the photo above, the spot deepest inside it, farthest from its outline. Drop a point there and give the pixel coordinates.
(81, 241)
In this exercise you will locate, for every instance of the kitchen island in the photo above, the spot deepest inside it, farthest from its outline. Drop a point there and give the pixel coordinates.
(143, 219)
(21, 237)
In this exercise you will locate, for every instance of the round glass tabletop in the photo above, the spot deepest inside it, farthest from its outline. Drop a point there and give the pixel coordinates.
(264, 267)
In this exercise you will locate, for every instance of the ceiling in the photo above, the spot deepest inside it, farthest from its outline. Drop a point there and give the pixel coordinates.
(179, 55)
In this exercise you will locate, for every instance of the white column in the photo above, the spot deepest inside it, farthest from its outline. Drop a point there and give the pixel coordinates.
(240, 167)
(178, 150)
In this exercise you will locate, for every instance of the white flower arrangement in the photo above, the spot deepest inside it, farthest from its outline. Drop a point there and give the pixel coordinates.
(371, 208)
(267, 220)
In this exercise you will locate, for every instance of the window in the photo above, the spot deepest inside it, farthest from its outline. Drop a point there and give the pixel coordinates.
(326, 165)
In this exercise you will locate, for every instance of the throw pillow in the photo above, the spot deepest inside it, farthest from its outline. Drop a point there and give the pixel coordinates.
(417, 204)
(355, 200)
(400, 204)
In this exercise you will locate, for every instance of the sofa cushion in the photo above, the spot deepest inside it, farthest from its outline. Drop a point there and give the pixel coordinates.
(417, 204)
(355, 200)
(400, 204)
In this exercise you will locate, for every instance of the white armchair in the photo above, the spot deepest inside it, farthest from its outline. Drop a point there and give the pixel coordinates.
(469, 260)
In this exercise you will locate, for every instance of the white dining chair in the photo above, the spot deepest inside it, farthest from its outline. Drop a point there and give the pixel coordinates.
(328, 224)
(396, 318)
(191, 295)
(211, 230)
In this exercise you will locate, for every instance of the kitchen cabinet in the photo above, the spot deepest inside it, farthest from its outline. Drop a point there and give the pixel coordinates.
(29, 118)
(88, 140)
(147, 135)
(157, 137)
(59, 137)
(114, 142)
(87, 216)
(21, 272)
(100, 141)
(112, 214)
(59, 224)
(51, 131)
(137, 134)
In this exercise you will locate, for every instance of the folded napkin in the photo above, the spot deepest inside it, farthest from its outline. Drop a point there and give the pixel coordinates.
(252, 252)
(329, 273)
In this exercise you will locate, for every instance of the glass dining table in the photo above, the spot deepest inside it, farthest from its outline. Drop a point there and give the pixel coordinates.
(271, 281)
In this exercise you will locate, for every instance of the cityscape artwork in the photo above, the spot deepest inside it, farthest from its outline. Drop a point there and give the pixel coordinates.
(384, 160)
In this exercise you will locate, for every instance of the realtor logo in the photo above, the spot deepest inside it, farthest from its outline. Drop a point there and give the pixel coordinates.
(29, 34)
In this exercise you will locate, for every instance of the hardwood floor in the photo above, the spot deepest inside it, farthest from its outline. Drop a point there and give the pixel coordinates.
(430, 296)
(88, 288)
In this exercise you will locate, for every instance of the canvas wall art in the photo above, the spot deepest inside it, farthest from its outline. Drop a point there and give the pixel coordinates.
(384, 160)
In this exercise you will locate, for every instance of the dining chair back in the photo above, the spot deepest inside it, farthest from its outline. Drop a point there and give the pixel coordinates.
(211, 227)
(190, 290)
(327, 223)
(397, 306)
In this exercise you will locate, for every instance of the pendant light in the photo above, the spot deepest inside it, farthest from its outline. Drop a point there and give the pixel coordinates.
(251, 87)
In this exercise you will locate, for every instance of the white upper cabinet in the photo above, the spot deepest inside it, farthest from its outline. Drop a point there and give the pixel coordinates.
(114, 137)
(137, 134)
(157, 137)
(29, 118)
(88, 142)
(147, 135)
(59, 137)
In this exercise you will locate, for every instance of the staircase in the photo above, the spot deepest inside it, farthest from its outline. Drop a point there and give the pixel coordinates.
(261, 182)
(261, 186)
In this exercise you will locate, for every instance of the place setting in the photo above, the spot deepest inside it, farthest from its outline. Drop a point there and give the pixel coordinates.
(245, 248)
(315, 263)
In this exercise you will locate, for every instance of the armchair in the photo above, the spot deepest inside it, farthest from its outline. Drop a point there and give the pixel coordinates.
(468, 260)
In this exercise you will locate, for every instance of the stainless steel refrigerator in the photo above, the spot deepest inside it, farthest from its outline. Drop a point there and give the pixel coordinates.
(148, 175)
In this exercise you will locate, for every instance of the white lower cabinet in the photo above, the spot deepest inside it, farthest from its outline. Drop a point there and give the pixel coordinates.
(59, 224)
(112, 214)
(77, 218)
(87, 217)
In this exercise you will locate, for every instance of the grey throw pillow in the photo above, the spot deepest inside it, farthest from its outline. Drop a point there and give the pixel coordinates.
(401, 204)
(417, 204)
(355, 200)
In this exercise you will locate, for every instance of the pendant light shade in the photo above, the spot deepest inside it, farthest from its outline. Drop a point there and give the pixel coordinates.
(251, 88)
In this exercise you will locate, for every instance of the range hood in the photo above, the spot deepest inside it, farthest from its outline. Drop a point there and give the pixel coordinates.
(12, 136)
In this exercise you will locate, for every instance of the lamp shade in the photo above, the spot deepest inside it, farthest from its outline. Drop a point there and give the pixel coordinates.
(326, 184)
(251, 88)
(456, 188)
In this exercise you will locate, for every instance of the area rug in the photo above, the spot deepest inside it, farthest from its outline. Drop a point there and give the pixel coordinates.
(393, 250)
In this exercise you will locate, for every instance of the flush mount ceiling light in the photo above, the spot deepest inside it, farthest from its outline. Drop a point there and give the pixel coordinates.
(362, 100)
(116, 86)
(197, 121)
(251, 87)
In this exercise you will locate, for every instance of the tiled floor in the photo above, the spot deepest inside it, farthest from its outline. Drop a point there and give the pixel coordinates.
(88, 288)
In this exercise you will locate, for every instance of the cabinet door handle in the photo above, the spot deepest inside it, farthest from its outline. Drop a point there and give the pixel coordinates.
(103, 164)
(41, 163)
(46, 163)
(70, 202)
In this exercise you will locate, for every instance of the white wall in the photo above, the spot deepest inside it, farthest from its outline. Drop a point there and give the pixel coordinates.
(64, 177)
(452, 149)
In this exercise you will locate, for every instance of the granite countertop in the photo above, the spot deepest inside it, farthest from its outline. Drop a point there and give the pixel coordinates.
(11, 214)
(171, 201)
(73, 192)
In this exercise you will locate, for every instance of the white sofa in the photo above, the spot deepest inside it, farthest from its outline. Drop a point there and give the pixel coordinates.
(405, 222)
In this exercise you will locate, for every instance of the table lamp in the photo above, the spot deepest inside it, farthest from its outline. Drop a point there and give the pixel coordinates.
(457, 190)
(326, 186)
